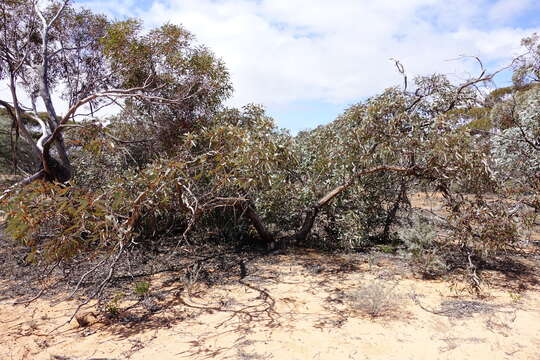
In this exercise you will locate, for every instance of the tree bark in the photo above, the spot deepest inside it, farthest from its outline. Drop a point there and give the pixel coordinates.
(391, 217)
(265, 235)
(58, 171)
(15, 112)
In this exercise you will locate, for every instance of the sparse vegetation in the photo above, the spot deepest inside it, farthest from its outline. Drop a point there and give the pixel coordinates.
(142, 288)
(375, 299)
(113, 305)
(176, 182)
(426, 253)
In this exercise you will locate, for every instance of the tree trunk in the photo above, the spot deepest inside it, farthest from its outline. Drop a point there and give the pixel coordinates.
(309, 220)
(53, 168)
(266, 236)
(16, 112)
(60, 171)
(311, 215)
(391, 217)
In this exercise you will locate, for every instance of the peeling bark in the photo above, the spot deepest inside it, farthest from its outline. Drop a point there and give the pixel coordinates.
(57, 171)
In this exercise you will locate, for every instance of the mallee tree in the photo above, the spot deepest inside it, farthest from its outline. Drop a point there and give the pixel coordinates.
(57, 51)
(174, 163)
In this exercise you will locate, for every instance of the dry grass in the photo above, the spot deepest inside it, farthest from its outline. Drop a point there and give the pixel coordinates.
(377, 298)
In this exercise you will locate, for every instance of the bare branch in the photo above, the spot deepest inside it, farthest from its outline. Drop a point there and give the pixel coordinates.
(401, 70)
(54, 18)
(97, 292)
(39, 175)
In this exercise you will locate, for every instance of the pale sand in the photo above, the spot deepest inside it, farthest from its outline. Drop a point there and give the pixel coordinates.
(308, 318)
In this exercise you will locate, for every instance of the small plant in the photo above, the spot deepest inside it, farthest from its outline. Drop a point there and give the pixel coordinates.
(425, 254)
(418, 237)
(387, 249)
(142, 288)
(112, 309)
(375, 299)
(113, 306)
(515, 297)
(32, 325)
(428, 263)
(372, 261)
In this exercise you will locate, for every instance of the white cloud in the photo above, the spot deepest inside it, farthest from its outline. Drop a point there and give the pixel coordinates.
(284, 51)
(281, 51)
(504, 10)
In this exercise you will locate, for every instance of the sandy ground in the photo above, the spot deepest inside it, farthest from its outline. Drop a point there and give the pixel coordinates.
(298, 306)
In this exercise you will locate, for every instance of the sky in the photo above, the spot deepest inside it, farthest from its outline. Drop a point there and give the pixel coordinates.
(306, 61)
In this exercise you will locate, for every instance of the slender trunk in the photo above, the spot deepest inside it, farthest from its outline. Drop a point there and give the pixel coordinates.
(16, 112)
(14, 144)
(264, 234)
(311, 215)
(52, 121)
(391, 217)
(44, 92)
(309, 220)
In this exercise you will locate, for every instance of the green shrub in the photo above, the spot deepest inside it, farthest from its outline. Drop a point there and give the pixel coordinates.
(142, 288)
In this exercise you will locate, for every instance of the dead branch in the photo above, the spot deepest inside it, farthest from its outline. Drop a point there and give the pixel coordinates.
(81, 279)
(99, 289)
(43, 290)
(401, 70)
(39, 175)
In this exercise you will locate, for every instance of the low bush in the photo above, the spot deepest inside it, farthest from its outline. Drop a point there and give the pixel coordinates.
(375, 299)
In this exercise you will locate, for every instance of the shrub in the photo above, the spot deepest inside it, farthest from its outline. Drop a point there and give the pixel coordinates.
(425, 252)
(142, 288)
(375, 299)
(484, 227)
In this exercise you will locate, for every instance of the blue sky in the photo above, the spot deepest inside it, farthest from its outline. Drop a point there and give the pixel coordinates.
(307, 60)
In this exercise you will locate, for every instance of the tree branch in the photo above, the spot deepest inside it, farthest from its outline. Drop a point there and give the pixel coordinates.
(312, 213)
(338, 190)
(40, 174)
(258, 224)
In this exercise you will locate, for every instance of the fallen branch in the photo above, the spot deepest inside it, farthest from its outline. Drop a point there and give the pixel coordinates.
(39, 175)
